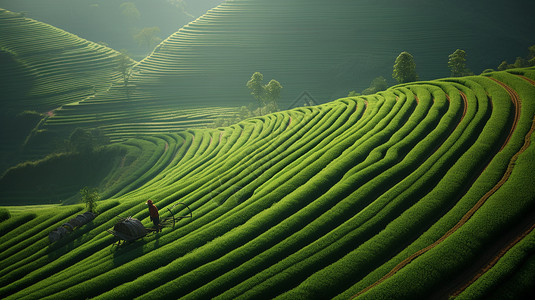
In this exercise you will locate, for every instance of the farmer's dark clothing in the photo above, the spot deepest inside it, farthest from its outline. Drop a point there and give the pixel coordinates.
(154, 216)
(153, 211)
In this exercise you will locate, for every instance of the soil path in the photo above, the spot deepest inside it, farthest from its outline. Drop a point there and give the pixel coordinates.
(527, 79)
(516, 102)
(498, 249)
(487, 260)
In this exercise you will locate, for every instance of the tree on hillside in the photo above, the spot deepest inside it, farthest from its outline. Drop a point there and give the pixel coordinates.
(378, 84)
(273, 91)
(90, 196)
(521, 62)
(124, 66)
(147, 37)
(457, 64)
(265, 94)
(405, 68)
(531, 55)
(182, 6)
(130, 12)
(99, 138)
(81, 141)
(256, 87)
(504, 66)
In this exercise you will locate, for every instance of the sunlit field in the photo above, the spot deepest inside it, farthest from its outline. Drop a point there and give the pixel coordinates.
(278, 169)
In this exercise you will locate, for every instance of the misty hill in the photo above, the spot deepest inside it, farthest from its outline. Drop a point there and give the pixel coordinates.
(44, 67)
(113, 22)
(327, 48)
(417, 192)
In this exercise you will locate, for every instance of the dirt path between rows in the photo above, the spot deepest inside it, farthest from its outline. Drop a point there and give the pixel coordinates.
(487, 260)
(500, 247)
(516, 102)
(527, 79)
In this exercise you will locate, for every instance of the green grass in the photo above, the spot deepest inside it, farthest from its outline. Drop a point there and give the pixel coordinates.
(198, 73)
(319, 201)
(314, 202)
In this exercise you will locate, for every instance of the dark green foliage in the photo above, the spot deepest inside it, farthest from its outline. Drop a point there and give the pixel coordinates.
(81, 141)
(315, 202)
(377, 85)
(87, 140)
(267, 95)
(520, 62)
(147, 37)
(256, 87)
(124, 66)
(457, 64)
(90, 197)
(59, 177)
(273, 91)
(13, 222)
(4, 214)
(531, 54)
(405, 68)
(504, 66)
(99, 138)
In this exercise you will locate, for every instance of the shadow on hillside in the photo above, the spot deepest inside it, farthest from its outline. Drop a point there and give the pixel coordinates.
(70, 241)
(129, 251)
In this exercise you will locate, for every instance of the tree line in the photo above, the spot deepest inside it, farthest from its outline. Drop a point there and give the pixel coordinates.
(405, 69)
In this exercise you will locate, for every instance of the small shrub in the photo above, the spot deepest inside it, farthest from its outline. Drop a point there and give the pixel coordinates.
(90, 196)
(4, 214)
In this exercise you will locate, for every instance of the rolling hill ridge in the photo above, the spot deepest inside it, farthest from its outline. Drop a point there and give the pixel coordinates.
(386, 195)
(326, 51)
(43, 68)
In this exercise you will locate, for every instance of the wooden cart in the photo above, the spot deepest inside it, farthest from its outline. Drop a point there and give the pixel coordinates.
(130, 229)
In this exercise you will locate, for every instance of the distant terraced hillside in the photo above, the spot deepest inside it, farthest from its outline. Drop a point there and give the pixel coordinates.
(326, 48)
(422, 190)
(42, 68)
(199, 73)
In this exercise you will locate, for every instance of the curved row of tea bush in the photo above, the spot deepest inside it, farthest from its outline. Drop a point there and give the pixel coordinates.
(44, 67)
(387, 195)
(311, 48)
(123, 114)
(61, 67)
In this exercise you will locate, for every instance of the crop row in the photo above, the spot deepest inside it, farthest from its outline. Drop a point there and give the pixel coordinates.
(64, 68)
(369, 195)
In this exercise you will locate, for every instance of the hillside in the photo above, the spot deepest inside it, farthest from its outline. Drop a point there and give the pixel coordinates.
(117, 20)
(44, 67)
(326, 48)
(418, 191)
(53, 67)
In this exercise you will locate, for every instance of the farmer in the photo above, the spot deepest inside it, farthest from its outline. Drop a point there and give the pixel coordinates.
(154, 216)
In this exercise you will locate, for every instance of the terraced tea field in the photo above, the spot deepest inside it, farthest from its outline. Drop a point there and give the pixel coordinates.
(327, 50)
(44, 67)
(75, 83)
(422, 190)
